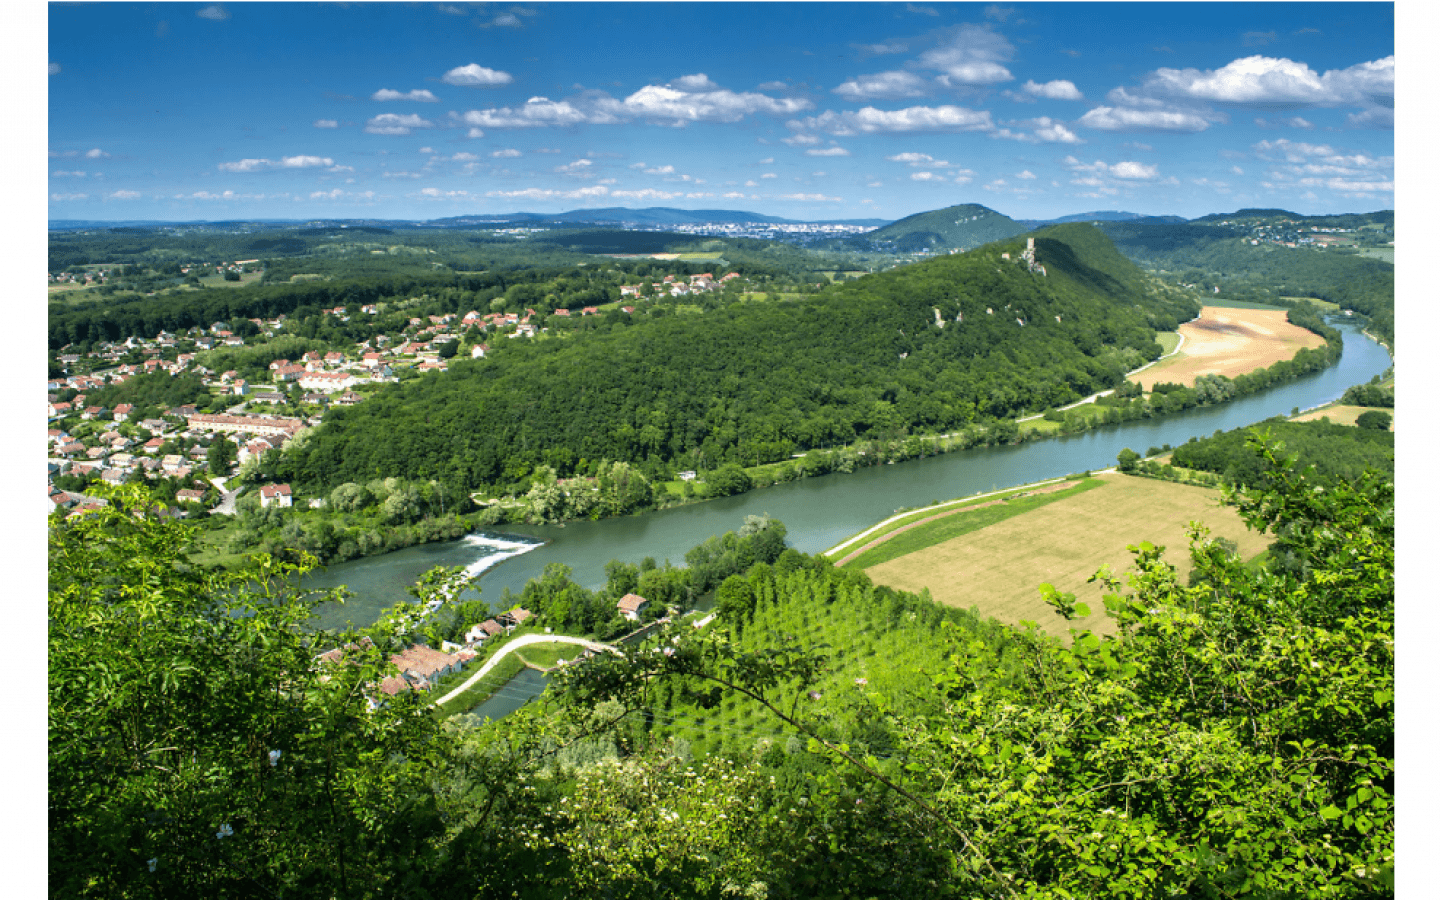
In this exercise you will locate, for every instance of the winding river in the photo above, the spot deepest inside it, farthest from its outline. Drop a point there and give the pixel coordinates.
(818, 512)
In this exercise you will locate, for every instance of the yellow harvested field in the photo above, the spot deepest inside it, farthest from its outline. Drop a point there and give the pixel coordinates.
(1340, 414)
(999, 569)
(1229, 342)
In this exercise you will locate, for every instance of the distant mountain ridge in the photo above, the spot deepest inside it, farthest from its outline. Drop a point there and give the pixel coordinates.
(961, 227)
(1104, 215)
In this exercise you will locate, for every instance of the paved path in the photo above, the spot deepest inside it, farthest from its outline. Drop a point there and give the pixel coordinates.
(939, 506)
(1049, 488)
(516, 644)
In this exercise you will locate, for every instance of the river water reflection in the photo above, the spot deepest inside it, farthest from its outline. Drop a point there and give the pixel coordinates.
(818, 512)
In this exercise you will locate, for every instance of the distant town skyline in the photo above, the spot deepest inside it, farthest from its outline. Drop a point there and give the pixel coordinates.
(802, 110)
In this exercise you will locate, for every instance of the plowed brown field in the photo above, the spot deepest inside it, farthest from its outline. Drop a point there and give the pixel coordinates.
(1229, 342)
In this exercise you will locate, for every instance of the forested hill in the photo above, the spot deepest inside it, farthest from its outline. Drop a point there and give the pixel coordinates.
(954, 227)
(756, 381)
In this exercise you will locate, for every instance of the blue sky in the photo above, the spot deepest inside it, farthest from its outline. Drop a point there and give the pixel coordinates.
(803, 110)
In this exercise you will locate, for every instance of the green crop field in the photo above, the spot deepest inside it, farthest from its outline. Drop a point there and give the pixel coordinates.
(964, 522)
(998, 569)
(1385, 253)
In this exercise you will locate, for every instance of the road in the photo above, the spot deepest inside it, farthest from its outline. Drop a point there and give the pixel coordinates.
(226, 506)
(516, 644)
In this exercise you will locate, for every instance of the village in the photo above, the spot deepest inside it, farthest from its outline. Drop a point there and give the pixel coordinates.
(422, 668)
(90, 442)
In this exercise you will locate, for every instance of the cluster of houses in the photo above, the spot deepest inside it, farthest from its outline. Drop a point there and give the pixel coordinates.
(675, 287)
(420, 667)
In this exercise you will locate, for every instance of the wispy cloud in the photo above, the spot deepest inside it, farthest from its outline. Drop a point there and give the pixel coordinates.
(869, 120)
(215, 13)
(419, 95)
(884, 86)
(285, 162)
(1112, 118)
(393, 123)
(691, 98)
(326, 123)
(970, 55)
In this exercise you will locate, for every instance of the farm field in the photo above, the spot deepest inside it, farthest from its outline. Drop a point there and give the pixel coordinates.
(1229, 342)
(933, 526)
(999, 569)
(1340, 414)
(1385, 253)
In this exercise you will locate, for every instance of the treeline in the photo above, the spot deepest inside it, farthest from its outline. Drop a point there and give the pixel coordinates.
(569, 608)
(1336, 451)
(753, 383)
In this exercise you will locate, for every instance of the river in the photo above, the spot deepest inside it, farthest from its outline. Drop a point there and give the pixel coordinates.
(818, 512)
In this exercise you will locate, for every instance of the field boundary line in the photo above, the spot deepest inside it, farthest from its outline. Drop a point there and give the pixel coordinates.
(910, 512)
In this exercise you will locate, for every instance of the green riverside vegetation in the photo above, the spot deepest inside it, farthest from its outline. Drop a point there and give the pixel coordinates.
(821, 737)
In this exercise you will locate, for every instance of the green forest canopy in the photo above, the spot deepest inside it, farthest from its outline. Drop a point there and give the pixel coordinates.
(752, 383)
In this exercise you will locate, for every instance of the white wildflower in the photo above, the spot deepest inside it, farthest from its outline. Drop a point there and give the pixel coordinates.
(225, 831)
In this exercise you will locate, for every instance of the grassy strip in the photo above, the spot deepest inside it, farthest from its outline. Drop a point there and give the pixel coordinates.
(942, 530)
(481, 690)
(926, 513)
(1168, 341)
(547, 656)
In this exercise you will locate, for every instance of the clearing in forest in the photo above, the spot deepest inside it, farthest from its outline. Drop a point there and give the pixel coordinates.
(1000, 568)
(1229, 342)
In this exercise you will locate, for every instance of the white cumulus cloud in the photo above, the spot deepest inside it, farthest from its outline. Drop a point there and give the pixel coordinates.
(827, 151)
(1111, 118)
(919, 160)
(1134, 171)
(244, 165)
(419, 95)
(884, 86)
(215, 12)
(869, 120)
(305, 162)
(1266, 82)
(393, 123)
(1054, 90)
(507, 153)
(475, 75)
(125, 195)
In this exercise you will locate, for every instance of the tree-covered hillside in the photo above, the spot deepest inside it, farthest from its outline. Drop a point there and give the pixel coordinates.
(924, 348)
(954, 227)
(1227, 257)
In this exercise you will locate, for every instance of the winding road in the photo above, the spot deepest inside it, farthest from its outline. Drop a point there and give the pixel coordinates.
(516, 644)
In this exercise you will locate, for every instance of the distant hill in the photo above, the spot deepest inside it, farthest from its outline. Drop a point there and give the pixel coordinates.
(1104, 215)
(1338, 220)
(961, 227)
(653, 216)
